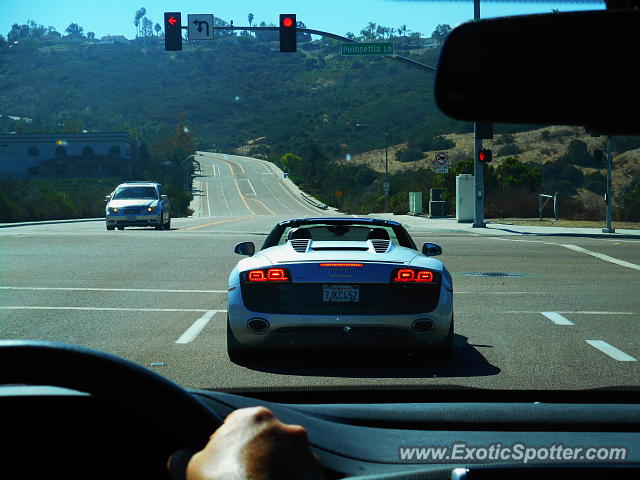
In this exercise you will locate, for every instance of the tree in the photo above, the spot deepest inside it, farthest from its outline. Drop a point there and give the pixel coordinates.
(138, 17)
(402, 29)
(29, 31)
(302, 37)
(91, 35)
(74, 31)
(250, 18)
(147, 28)
(136, 21)
(157, 28)
(441, 32)
(3, 42)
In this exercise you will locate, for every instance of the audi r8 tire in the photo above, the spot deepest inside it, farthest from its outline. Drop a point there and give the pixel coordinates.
(237, 353)
(110, 228)
(120, 228)
(168, 225)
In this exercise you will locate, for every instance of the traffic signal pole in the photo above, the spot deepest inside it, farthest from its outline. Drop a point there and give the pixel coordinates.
(609, 197)
(478, 168)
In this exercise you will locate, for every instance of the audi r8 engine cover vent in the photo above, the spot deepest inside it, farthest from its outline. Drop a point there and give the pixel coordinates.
(380, 246)
(300, 245)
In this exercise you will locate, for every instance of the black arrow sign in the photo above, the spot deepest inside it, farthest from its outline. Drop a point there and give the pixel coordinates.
(199, 23)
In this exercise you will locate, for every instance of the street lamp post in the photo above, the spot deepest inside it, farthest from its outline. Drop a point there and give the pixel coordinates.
(386, 161)
(186, 173)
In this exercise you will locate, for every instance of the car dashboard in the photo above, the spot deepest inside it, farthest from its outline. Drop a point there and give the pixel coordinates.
(64, 432)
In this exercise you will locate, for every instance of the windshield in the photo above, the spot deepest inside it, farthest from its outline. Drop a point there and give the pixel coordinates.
(134, 193)
(502, 260)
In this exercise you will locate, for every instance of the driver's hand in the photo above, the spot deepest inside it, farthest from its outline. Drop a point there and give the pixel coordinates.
(253, 444)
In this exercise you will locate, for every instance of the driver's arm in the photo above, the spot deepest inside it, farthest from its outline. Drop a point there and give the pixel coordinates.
(253, 444)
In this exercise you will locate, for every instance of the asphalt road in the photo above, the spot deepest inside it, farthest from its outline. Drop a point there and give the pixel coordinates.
(564, 319)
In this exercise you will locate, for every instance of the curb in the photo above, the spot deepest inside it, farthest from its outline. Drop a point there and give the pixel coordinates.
(50, 222)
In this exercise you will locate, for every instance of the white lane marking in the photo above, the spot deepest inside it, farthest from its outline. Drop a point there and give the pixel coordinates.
(114, 309)
(197, 326)
(224, 196)
(612, 351)
(508, 293)
(556, 318)
(274, 196)
(208, 200)
(299, 202)
(112, 289)
(581, 312)
(602, 256)
(251, 186)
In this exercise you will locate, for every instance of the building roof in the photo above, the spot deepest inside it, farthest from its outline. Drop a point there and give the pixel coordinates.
(84, 160)
(70, 137)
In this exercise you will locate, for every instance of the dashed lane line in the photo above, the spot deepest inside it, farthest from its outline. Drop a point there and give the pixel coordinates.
(197, 326)
(556, 318)
(611, 351)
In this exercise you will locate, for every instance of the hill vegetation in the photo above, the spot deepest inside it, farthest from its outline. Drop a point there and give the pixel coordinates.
(239, 93)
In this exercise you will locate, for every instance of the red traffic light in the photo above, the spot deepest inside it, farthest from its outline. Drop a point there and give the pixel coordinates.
(172, 21)
(288, 32)
(484, 156)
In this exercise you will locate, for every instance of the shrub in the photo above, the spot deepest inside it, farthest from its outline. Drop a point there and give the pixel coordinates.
(505, 139)
(596, 182)
(545, 134)
(509, 149)
(408, 155)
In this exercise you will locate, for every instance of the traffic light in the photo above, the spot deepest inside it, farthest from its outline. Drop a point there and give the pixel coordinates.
(288, 32)
(485, 155)
(172, 31)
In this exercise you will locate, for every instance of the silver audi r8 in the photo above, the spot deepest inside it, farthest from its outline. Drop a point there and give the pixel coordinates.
(339, 282)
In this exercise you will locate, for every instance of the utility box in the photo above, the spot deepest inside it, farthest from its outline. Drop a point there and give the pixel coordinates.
(436, 194)
(415, 203)
(465, 202)
(437, 209)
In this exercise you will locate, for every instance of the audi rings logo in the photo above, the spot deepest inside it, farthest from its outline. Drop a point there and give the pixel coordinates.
(340, 272)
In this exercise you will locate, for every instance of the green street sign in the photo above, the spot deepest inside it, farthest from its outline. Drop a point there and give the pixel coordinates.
(367, 49)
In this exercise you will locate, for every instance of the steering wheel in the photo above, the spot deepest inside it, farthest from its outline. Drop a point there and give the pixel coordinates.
(107, 376)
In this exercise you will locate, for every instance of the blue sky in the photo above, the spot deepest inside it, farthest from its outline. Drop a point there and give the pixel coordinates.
(337, 16)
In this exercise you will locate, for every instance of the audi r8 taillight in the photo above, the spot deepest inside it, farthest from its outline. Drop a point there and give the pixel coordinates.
(267, 275)
(413, 275)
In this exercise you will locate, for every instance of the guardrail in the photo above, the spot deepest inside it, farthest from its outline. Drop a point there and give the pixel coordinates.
(310, 201)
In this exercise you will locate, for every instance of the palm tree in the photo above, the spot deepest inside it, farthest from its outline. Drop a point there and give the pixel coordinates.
(250, 18)
(371, 27)
(136, 21)
(402, 29)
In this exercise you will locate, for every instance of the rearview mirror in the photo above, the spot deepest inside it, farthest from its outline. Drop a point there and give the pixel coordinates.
(245, 248)
(107, 198)
(431, 249)
(164, 197)
(576, 68)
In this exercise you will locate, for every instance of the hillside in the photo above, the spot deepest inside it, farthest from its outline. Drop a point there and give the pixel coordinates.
(534, 146)
(231, 90)
(239, 93)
